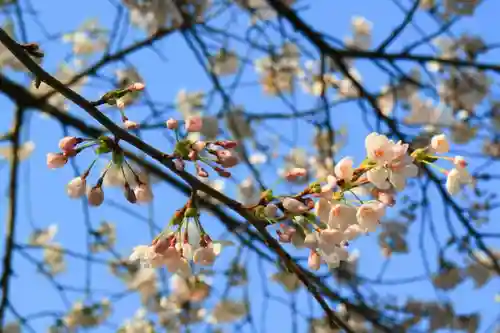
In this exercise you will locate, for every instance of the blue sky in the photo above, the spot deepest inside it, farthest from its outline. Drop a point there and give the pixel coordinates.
(43, 191)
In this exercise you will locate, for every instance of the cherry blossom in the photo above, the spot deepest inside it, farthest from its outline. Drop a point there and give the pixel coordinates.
(294, 206)
(456, 178)
(369, 215)
(76, 187)
(440, 144)
(344, 169)
(56, 160)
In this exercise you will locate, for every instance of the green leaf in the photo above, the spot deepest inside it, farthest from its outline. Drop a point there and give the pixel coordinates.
(102, 150)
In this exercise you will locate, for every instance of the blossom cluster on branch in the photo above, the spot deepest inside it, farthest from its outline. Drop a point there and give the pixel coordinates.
(323, 218)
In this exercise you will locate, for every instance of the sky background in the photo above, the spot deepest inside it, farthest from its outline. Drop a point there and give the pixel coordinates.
(42, 193)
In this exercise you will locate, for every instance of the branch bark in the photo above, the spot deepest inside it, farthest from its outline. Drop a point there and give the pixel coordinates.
(11, 215)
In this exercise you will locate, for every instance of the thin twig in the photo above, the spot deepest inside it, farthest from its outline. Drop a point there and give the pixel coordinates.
(11, 215)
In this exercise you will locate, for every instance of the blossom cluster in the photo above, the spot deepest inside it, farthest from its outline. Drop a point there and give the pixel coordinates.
(177, 250)
(217, 154)
(77, 187)
(174, 249)
(325, 218)
(120, 98)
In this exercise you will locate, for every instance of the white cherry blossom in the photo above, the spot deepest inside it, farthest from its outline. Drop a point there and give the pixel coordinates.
(457, 177)
(369, 215)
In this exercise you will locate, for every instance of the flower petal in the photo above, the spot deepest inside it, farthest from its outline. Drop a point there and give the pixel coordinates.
(378, 177)
(411, 170)
(323, 208)
(398, 180)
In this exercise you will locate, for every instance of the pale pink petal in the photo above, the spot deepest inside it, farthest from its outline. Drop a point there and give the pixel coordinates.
(411, 170)
(378, 177)
(331, 236)
(398, 180)
(344, 169)
(323, 208)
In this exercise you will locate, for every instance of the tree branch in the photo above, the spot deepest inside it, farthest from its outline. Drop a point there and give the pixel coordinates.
(11, 215)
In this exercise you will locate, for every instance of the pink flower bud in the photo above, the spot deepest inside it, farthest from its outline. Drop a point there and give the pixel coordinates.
(76, 187)
(194, 124)
(172, 124)
(70, 153)
(460, 162)
(201, 172)
(223, 173)
(56, 160)
(229, 162)
(286, 235)
(187, 249)
(271, 210)
(227, 144)
(440, 144)
(294, 206)
(295, 173)
(161, 244)
(199, 146)
(200, 292)
(129, 194)
(314, 260)
(137, 86)
(143, 193)
(226, 158)
(309, 203)
(95, 196)
(130, 124)
(193, 155)
(68, 143)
